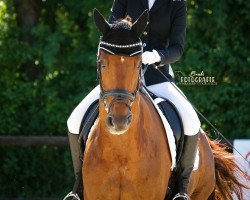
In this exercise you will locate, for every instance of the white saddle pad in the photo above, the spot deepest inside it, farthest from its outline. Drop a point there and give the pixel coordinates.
(170, 134)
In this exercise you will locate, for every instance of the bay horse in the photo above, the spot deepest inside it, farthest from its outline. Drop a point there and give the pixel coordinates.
(127, 154)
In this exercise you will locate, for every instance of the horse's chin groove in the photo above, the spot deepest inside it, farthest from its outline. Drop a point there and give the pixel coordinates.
(115, 132)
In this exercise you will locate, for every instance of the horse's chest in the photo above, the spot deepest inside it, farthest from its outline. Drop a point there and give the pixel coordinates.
(121, 168)
(112, 172)
(123, 179)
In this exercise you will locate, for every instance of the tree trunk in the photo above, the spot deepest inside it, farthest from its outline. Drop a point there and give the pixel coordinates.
(28, 13)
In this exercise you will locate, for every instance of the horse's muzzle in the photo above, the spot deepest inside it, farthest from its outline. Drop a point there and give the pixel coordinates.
(118, 124)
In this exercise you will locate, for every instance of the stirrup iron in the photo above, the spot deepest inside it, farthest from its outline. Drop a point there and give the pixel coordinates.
(73, 195)
(181, 195)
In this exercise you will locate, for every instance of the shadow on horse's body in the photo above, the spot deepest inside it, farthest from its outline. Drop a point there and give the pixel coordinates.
(127, 155)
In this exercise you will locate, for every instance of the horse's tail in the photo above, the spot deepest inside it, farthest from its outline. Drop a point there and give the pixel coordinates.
(227, 174)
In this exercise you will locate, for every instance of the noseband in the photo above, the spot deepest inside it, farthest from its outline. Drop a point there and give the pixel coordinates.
(117, 95)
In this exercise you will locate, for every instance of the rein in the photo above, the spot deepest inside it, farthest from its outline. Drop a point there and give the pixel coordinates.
(118, 95)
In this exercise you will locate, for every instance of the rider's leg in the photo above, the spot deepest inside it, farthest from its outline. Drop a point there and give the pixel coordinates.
(191, 122)
(191, 125)
(74, 123)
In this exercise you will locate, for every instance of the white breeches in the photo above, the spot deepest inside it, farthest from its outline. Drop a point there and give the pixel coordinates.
(75, 119)
(190, 120)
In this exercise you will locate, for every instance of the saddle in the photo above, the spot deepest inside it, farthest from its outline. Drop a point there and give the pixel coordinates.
(169, 111)
(173, 117)
(87, 122)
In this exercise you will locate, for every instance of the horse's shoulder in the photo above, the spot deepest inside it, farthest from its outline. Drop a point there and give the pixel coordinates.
(147, 103)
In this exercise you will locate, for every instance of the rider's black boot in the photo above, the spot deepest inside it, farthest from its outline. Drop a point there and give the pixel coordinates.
(77, 191)
(186, 164)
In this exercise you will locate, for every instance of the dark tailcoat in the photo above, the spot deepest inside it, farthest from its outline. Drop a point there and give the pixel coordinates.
(165, 31)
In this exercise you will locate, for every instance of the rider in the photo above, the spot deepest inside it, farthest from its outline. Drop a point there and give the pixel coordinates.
(163, 44)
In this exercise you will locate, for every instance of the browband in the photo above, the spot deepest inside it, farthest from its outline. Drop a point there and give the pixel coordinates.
(116, 49)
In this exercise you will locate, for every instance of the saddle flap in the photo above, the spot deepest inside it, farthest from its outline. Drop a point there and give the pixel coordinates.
(173, 118)
(88, 121)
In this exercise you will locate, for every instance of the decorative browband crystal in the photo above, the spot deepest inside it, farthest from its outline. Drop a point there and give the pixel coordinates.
(121, 46)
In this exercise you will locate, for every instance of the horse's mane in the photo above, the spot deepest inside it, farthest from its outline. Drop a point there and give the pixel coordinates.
(125, 23)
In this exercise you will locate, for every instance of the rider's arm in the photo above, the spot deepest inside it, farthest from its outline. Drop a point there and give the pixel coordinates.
(177, 35)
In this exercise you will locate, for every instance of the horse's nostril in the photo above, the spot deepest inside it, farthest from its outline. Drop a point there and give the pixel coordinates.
(109, 121)
(118, 123)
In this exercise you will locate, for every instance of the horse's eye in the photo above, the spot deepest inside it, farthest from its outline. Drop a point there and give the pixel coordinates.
(101, 64)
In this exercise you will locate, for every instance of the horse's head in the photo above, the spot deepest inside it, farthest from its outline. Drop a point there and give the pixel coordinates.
(119, 64)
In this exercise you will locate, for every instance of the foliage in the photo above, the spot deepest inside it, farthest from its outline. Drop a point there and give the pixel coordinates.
(217, 44)
(61, 50)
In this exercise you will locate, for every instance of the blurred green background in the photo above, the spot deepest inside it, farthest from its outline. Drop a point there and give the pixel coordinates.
(47, 65)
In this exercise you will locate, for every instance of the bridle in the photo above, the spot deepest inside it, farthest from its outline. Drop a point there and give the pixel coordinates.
(118, 95)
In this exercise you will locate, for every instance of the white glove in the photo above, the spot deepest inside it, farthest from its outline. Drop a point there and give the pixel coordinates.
(150, 57)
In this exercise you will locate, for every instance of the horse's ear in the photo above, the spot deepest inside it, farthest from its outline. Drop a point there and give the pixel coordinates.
(140, 24)
(100, 21)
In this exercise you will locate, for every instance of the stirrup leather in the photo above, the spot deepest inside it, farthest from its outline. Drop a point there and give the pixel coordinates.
(73, 195)
(181, 195)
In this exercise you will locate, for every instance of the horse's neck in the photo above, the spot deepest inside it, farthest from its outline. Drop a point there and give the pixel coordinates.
(145, 133)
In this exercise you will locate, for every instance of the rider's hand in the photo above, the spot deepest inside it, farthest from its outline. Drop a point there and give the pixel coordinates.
(150, 57)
